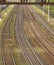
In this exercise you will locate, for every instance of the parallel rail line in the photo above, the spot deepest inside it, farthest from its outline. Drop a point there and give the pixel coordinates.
(6, 49)
(35, 32)
(44, 36)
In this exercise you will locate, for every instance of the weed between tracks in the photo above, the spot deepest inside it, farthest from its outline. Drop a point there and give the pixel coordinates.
(45, 16)
(44, 32)
(31, 37)
(16, 49)
(17, 52)
(4, 19)
(36, 46)
(18, 56)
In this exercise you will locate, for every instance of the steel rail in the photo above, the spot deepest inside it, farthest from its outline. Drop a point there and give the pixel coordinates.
(44, 24)
(25, 43)
(7, 29)
(35, 28)
(17, 32)
(42, 36)
(33, 31)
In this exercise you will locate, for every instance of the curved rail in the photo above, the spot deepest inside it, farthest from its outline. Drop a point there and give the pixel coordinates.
(6, 49)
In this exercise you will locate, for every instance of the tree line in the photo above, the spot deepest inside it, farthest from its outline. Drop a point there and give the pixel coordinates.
(26, 0)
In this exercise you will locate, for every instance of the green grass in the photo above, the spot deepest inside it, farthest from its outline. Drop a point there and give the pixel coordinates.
(52, 26)
(51, 8)
(45, 15)
(5, 14)
(16, 49)
(2, 22)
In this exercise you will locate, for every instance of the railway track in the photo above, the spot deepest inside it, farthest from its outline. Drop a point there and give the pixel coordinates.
(25, 45)
(41, 19)
(49, 44)
(24, 61)
(28, 51)
(43, 23)
(6, 48)
(29, 21)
